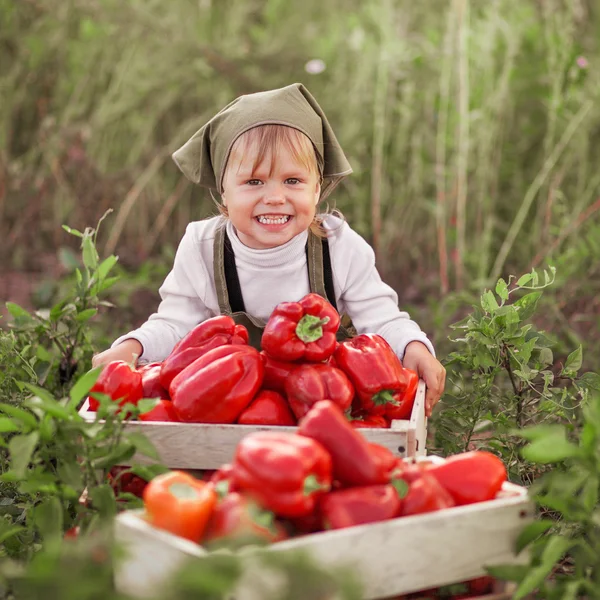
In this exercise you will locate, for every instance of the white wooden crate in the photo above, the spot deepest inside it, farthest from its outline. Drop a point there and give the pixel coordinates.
(207, 446)
(391, 557)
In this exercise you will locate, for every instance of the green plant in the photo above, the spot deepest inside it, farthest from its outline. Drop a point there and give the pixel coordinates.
(503, 376)
(53, 344)
(564, 549)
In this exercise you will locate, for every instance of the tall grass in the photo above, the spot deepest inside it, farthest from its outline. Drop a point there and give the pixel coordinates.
(471, 126)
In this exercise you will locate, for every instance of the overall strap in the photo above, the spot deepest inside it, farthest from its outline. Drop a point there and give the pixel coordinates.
(227, 283)
(320, 274)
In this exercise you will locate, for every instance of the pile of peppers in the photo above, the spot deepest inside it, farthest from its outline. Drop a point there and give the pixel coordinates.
(214, 376)
(324, 476)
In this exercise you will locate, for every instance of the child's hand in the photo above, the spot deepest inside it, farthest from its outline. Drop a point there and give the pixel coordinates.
(128, 350)
(418, 358)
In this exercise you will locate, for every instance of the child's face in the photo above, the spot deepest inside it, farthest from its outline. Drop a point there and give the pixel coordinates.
(275, 203)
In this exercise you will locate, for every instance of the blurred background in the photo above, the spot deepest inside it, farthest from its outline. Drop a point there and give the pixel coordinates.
(473, 128)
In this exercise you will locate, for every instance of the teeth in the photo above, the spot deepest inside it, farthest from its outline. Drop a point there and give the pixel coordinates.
(273, 220)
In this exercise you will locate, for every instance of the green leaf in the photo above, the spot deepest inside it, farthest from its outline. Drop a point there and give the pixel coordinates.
(489, 302)
(18, 312)
(147, 404)
(537, 432)
(574, 361)
(508, 572)
(72, 231)
(50, 407)
(39, 391)
(554, 550)
(106, 266)
(70, 473)
(8, 425)
(48, 518)
(532, 532)
(527, 304)
(524, 279)
(21, 449)
(90, 255)
(86, 315)
(589, 493)
(550, 449)
(24, 416)
(143, 445)
(83, 385)
(546, 357)
(7, 530)
(103, 499)
(122, 453)
(590, 380)
(502, 289)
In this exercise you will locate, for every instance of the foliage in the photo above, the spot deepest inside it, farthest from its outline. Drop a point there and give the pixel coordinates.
(564, 544)
(53, 344)
(503, 376)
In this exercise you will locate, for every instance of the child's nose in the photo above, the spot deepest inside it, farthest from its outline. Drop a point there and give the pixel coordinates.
(274, 195)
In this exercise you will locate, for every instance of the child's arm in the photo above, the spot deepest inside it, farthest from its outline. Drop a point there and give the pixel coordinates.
(373, 307)
(182, 307)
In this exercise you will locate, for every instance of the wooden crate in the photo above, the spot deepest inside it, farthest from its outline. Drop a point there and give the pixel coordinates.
(391, 557)
(205, 446)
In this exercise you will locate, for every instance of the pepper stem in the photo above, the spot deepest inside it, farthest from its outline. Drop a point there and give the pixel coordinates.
(310, 328)
(400, 486)
(312, 484)
(183, 491)
(384, 397)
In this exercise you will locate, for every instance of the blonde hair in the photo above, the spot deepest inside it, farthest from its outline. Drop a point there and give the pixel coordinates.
(269, 140)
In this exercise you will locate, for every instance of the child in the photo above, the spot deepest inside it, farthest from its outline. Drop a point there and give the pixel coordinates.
(273, 156)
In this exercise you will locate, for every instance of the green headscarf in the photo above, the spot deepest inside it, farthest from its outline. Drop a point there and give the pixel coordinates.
(203, 157)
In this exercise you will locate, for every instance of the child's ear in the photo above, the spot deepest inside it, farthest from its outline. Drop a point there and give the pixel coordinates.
(317, 193)
(223, 200)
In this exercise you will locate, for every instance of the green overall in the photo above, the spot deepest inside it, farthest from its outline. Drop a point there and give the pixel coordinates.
(229, 293)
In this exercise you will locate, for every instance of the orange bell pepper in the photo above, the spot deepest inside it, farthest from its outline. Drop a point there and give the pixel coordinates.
(180, 504)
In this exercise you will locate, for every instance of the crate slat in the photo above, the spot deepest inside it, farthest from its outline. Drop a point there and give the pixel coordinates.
(208, 446)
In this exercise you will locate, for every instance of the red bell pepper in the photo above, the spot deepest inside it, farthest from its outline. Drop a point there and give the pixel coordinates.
(470, 477)
(218, 386)
(389, 462)
(403, 403)
(283, 472)
(310, 383)
(354, 462)
(425, 494)
(180, 504)
(374, 369)
(123, 481)
(370, 422)
(151, 381)
(276, 373)
(120, 382)
(302, 330)
(267, 408)
(221, 479)
(163, 411)
(359, 505)
(210, 334)
(237, 521)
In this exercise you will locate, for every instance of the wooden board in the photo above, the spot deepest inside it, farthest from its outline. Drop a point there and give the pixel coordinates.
(205, 446)
(392, 557)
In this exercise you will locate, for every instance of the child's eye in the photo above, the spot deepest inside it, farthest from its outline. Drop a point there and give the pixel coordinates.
(292, 180)
(254, 182)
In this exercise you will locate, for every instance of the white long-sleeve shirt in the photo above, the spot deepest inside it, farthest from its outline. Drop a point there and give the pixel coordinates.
(268, 277)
